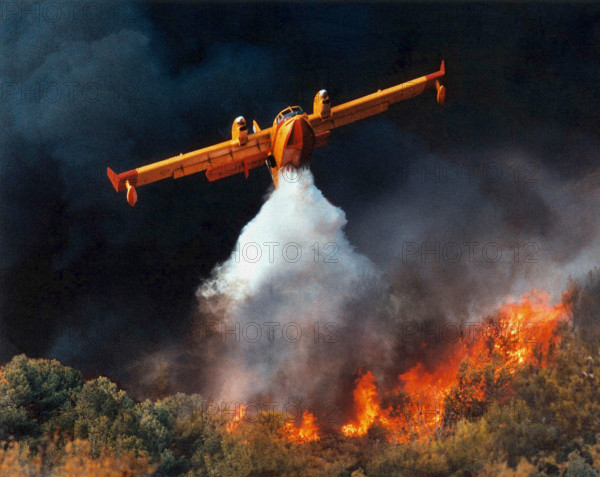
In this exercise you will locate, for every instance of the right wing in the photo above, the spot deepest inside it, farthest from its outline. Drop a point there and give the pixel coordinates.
(378, 102)
(221, 160)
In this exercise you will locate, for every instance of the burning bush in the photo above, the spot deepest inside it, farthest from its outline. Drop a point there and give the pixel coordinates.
(477, 371)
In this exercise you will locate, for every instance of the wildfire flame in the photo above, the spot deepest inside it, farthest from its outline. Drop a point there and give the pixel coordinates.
(240, 413)
(516, 333)
(519, 333)
(308, 430)
(530, 325)
(366, 401)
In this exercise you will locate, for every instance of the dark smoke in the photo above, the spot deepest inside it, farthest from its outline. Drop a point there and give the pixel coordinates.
(85, 86)
(112, 290)
(584, 298)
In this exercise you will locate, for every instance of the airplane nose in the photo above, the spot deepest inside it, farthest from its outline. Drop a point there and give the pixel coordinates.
(300, 143)
(295, 138)
(301, 135)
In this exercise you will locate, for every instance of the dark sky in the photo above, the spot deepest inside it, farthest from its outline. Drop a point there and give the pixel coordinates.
(96, 284)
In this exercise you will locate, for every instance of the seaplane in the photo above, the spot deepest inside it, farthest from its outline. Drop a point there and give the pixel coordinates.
(288, 143)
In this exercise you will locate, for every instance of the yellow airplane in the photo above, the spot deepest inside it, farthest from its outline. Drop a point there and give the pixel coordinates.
(288, 143)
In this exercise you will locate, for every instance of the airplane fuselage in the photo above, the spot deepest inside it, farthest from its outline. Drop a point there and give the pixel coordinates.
(292, 143)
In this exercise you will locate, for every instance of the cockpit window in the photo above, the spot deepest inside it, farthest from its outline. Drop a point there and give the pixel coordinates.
(288, 113)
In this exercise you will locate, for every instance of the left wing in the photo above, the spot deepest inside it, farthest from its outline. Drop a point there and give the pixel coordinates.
(221, 160)
(378, 102)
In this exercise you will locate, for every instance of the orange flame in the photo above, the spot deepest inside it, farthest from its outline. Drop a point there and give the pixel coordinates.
(515, 333)
(240, 413)
(366, 402)
(519, 333)
(307, 432)
(528, 325)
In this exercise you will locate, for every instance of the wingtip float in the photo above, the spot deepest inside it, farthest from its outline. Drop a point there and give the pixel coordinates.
(288, 143)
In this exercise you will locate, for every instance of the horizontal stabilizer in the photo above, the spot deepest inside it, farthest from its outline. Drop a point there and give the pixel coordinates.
(118, 180)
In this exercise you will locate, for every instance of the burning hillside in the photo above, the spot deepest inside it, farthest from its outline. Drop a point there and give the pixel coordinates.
(296, 318)
(521, 333)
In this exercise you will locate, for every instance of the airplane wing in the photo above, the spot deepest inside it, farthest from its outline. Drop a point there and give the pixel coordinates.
(378, 102)
(221, 160)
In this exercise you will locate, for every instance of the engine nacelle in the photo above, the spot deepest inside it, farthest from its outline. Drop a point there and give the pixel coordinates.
(322, 105)
(239, 130)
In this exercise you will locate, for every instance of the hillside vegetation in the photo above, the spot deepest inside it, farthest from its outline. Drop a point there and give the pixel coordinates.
(535, 421)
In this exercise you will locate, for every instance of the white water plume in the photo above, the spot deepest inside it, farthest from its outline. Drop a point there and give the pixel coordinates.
(278, 301)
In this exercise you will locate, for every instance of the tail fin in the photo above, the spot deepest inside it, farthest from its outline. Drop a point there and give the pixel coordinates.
(114, 178)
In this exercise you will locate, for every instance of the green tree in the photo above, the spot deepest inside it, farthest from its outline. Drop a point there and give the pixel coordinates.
(518, 433)
(194, 431)
(35, 397)
(106, 416)
(566, 394)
